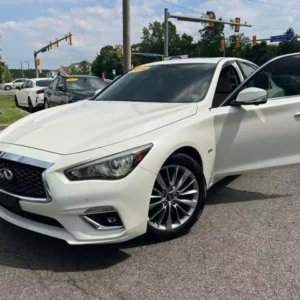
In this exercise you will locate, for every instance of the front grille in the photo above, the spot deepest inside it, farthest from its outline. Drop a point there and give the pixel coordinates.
(27, 180)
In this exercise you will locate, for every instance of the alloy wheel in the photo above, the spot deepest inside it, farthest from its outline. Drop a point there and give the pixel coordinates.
(174, 198)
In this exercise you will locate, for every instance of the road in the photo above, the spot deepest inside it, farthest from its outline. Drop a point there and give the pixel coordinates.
(7, 93)
(246, 245)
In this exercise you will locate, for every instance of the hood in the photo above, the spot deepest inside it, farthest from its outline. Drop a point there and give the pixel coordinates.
(82, 94)
(88, 125)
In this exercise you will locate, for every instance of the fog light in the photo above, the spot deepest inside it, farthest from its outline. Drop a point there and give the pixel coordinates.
(112, 220)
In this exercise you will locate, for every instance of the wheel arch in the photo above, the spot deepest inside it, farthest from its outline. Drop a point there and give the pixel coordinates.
(191, 152)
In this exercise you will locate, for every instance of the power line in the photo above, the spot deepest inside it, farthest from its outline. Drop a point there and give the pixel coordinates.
(253, 25)
(182, 7)
(276, 5)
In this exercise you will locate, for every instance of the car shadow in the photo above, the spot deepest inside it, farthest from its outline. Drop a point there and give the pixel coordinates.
(23, 249)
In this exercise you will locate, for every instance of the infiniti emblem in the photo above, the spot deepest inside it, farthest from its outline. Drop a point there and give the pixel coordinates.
(6, 174)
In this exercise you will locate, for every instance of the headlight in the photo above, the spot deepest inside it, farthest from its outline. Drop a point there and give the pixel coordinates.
(110, 168)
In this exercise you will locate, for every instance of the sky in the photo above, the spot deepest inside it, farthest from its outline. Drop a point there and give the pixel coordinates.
(28, 25)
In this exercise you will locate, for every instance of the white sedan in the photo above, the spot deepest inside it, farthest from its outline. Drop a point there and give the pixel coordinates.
(31, 93)
(141, 155)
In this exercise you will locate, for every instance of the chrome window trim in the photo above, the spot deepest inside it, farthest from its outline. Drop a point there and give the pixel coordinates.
(26, 160)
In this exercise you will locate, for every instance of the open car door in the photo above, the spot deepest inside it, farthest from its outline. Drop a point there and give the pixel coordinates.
(258, 125)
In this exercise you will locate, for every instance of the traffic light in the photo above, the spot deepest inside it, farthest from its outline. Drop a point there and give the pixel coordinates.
(57, 43)
(51, 46)
(71, 39)
(237, 26)
(119, 52)
(222, 45)
(237, 42)
(254, 41)
(38, 61)
(211, 16)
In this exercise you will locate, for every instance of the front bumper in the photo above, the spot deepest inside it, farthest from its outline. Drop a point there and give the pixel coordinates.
(70, 200)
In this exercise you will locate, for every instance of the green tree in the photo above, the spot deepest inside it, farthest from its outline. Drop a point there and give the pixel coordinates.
(210, 39)
(84, 68)
(74, 70)
(106, 61)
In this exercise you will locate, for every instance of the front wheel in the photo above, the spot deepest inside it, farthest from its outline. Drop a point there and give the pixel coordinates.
(7, 87)
(177, 199)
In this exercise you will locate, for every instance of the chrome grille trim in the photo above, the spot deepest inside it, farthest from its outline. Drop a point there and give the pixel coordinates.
(26, 160)
(39, 200)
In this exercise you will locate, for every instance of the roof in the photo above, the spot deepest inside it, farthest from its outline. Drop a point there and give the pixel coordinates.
(38, 79)
(200, 60)
(81, 76)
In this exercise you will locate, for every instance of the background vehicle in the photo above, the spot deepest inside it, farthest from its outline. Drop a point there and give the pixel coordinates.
(31, 93)
(67, 89)
(15, 84)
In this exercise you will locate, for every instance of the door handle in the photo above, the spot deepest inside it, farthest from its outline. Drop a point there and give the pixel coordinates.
(297, 116)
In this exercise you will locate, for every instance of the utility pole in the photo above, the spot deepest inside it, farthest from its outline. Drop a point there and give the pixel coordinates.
(35, 65)
(22, 70)
(166, 33)
(126, 36)
(27, 64)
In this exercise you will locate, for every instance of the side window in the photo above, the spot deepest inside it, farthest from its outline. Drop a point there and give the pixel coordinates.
(29, 84)
(51, 85)
(280, 78)
(247, 69)
(17, 81)
(228, 82)
(55, 82)
(60, 82)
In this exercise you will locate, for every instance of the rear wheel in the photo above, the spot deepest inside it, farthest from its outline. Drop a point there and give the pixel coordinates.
(16, 102)
(30, 106)
(177, 199)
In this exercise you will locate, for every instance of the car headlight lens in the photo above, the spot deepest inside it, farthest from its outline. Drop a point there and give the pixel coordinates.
(110, 168)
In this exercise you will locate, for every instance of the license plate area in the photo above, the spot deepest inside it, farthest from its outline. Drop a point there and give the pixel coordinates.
(10, 203)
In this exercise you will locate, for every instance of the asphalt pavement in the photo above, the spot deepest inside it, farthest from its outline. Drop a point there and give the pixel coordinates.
(246, 245)
(7, 93)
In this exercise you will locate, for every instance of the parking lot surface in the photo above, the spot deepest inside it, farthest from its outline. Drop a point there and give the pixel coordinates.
(246, 245)
(7, 93)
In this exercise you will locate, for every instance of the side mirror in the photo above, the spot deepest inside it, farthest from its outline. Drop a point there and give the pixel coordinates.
(251, 96)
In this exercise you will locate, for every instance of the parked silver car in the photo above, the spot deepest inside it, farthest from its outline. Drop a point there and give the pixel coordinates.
(15, 84)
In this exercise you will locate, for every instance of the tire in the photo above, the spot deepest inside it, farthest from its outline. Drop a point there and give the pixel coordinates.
(16, 102)
(7, 87)
(30, 106)
(193, 203)
(46, 104)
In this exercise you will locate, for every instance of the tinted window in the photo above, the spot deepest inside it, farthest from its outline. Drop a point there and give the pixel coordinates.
(55, 82)
(247, 69)
(43, 83)
(60, 82)
(162, 83)
(280, 78)
(85, 83)
(29, 84)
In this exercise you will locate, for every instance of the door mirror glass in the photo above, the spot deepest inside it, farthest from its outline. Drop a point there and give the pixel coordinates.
(250, 96)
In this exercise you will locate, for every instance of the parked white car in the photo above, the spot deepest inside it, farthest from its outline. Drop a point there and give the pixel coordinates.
(31, 94)
(141, 156)
(15, 84)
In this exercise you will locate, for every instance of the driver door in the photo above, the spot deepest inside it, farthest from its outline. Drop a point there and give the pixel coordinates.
(252, 137)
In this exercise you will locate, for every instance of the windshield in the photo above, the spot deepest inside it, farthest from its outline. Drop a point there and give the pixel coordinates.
(175, 83)
(85, 83)
(43, 83)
